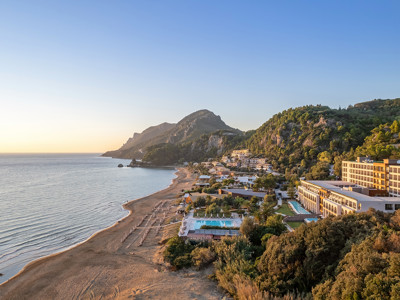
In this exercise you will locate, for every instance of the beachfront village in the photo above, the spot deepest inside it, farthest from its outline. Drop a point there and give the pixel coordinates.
(236, 187)
(240, 186)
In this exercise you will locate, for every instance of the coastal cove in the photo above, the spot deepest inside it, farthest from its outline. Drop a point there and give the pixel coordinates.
(114, 263)
(51, 202)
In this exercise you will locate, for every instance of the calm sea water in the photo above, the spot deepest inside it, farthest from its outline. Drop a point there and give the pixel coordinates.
(49, 202)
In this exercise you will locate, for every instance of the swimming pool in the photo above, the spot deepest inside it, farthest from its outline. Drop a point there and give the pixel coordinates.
(219, 223)
(298, 209)
(309, 220)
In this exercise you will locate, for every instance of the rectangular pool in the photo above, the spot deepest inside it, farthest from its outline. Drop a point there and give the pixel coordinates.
(298, 208)
(219, 223)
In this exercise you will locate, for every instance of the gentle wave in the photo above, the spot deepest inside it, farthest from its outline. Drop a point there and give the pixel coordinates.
(49, 203)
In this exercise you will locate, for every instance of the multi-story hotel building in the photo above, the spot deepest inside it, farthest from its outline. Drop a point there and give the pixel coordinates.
(383, 176)
(366, 184)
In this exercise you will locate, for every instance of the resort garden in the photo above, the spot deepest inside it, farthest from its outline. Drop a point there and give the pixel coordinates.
(227, 206)
(355, 256)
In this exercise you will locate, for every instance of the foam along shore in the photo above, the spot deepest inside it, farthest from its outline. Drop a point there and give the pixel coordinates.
(121, 261)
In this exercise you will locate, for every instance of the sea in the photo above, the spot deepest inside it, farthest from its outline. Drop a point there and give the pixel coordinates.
(51, 202)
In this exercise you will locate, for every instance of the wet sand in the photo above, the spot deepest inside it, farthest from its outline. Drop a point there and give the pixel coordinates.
(121, 262)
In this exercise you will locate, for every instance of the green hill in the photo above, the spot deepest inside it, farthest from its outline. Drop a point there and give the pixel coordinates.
(189, 129)
(207, 145)
(299, 138)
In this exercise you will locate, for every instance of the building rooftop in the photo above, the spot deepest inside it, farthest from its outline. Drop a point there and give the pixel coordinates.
(245, 192)
(337, 186)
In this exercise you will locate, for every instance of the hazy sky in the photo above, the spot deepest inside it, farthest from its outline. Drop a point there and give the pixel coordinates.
(82, 76)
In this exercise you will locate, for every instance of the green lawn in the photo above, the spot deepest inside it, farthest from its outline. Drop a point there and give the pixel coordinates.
(295, 225)
(285, 209)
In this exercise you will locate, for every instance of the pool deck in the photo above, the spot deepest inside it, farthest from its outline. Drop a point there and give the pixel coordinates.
(188, 223)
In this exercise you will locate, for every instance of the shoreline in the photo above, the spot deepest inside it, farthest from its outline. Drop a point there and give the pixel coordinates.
(109, 257)
(124, 206)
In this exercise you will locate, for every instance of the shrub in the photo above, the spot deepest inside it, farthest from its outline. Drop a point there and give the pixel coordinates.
(209, 190)
(178, 252)
(184, 261)
(213, 209)
(202, 257)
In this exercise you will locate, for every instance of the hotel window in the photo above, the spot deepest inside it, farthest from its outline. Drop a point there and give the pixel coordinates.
(388, 206)
(397, 206)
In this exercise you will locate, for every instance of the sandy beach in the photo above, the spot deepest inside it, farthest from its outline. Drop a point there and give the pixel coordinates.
(120, 262)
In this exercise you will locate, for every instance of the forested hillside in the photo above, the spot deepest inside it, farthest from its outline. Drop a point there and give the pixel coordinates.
(206, 146)
(383, 142)
(301, 141)
(304, 140)
(171, 137)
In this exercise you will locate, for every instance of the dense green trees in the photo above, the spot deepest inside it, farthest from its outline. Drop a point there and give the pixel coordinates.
(195, 150)
(178, 252)
(266, 182)
(355, 256)
(298, 138)
(348, 257)
(319, 171)
(371, 270)
(383, 142)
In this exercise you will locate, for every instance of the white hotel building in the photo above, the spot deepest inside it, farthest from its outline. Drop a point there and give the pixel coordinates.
(366, 184)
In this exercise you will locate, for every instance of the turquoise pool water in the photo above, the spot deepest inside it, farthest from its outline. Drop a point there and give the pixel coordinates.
(298, 208)
(220, 223)
(309, 220)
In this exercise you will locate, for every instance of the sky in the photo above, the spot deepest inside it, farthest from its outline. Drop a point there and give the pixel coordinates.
(82, 76)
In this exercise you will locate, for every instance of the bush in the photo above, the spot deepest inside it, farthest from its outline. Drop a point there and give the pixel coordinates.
(200, 202)
(184, 261)
(202, 257)
(265, 238)
(178, 252)
(209, 190)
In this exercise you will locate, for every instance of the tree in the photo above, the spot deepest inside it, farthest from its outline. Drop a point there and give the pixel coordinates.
(266, 210)
(269, 198)
(318, 172)
(395, 128)
(178, 252)
(200, 202)
(227, 182)
(266, 182)
(291, 191)
(325, 157)
(213, 209)
(247, 226)
(275, 223)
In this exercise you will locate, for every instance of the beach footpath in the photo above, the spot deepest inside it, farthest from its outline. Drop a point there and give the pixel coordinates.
(120, 262)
